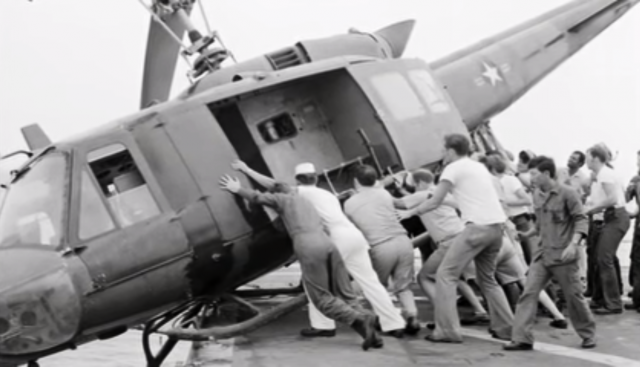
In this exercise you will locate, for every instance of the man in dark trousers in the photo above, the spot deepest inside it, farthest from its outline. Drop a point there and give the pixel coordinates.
(633, 193)
(561, 224)
(609, 199)
(319, 260)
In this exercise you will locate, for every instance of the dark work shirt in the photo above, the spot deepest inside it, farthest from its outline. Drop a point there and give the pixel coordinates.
(633, 190)
(297, 213)
(560, 215)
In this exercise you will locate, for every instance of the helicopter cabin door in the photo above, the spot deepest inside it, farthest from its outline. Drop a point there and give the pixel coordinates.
(125, 230)
(412, 105)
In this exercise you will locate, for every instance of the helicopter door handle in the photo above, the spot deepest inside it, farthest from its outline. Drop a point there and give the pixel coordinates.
(67, 251)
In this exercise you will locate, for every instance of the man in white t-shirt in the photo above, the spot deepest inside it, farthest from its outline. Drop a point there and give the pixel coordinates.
(351, 244)
(610, 193)
(516, 202)
(470, 184)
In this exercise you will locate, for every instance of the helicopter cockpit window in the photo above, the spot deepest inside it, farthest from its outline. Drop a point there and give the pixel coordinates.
(33, 208)
(397, 95)
(277, 128)
(94, 217)
(121, 182)
(428, 89)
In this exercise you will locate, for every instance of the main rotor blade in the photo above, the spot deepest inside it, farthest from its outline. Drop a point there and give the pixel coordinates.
(35, 137)
(161, 59)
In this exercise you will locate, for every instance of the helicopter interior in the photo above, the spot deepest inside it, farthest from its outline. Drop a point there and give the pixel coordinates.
(122, 184)
(315, 120)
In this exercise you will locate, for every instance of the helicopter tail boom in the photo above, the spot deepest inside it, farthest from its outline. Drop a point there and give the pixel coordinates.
(486, 78)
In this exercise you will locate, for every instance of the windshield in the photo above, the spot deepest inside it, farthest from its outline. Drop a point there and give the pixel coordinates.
(33, 206)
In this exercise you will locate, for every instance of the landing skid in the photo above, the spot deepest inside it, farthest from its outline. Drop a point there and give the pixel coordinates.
(225, 317)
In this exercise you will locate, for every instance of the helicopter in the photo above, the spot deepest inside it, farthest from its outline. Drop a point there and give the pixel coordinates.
(125, 224)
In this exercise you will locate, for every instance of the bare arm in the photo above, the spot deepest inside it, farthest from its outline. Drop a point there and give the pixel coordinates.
(261, 198)
(608, 201)
(410, 201)
(450, 201)
(522, 198)
(438, 197)
(264, 181)
(398, 203)
(232, 184)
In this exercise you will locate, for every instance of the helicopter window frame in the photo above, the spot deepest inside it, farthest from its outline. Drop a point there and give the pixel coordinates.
(100, 208)
(429, 90)
(129, 198)
(58, 227)
(284, 127)
(398, 96)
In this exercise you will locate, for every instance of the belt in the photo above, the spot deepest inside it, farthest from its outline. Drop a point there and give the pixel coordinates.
(525, 215)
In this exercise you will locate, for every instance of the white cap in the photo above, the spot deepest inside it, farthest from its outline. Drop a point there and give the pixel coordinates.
(305, 169)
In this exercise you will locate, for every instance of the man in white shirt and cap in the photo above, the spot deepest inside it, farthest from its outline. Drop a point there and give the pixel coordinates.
(610, 192)
(351, 244)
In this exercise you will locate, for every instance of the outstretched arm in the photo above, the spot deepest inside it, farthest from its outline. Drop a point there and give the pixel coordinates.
(438, 197)
(232, 185)
(266, 182)
(522, 198)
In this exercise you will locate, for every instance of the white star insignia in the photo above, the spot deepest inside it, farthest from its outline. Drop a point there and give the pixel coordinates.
(492, 74)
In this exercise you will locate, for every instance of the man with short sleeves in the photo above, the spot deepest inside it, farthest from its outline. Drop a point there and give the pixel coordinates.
(561, 224)
(470, 184)
(371, 210)
(610, 194)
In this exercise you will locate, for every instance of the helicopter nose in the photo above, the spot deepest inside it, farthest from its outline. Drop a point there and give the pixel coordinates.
(39, 306)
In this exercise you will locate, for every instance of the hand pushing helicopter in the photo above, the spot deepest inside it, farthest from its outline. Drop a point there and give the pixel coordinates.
(126, 225)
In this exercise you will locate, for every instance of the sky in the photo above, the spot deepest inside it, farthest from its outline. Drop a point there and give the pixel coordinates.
(71, 65)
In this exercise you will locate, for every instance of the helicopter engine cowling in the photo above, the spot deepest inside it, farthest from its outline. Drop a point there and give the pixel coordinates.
(386, 43)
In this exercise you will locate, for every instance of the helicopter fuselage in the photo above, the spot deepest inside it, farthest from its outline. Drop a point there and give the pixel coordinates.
(104, 230)
(141, 223)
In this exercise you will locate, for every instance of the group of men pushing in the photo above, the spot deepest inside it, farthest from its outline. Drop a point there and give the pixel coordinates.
(465, 216)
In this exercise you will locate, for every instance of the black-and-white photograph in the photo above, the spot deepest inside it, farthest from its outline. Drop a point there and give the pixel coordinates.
(226, 183)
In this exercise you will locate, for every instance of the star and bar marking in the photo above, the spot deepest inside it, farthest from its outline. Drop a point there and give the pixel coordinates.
(492, 74)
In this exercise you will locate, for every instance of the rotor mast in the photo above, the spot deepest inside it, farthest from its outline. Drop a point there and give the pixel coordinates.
(173, 16)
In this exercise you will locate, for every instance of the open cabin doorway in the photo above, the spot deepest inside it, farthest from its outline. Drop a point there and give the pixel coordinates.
(235, 128)
(317, 119)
